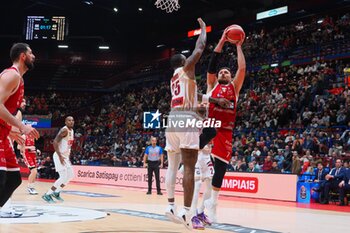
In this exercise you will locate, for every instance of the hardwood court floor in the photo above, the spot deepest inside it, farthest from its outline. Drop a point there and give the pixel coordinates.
(131, 210)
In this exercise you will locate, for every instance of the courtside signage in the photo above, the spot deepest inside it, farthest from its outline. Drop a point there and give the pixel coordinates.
(240, 184)
(256, 185)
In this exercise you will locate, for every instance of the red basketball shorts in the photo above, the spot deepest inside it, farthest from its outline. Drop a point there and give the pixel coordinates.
(222, 148)
(8, 160)
(30, 159)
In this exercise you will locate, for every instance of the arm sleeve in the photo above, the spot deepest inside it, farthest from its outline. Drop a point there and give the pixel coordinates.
(213, 62)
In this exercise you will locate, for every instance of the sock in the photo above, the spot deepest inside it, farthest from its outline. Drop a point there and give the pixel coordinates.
(171, 203)
(58, 190)
(49, 192)
(187, 209)
(214, 196)
(31, 185)
(206, 195)
(197, 187)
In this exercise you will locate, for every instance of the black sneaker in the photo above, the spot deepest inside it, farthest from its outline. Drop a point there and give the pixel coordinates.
(149, 193)
(159, 193)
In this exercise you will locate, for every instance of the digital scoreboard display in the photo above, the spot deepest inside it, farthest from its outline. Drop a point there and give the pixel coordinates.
(46, 28)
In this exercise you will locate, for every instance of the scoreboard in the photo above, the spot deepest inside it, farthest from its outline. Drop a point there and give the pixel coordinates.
(46, 28)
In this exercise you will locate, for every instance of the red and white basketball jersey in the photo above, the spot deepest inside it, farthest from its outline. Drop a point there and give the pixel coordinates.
(15, 100)
(66, 143)
(226, 116)
(183, 91)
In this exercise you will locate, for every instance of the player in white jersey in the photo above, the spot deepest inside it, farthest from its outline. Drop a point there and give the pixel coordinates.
(183, 143)
(204, 171)
(62, 144)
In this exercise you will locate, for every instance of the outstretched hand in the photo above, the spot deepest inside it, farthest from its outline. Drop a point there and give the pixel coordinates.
(201, 23)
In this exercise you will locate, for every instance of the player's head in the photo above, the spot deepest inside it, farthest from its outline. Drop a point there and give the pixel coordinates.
(319, 166)
(69, 122)
(224, 75)
(23, 104)
(22, 53)
(178, 60)
(154, 141)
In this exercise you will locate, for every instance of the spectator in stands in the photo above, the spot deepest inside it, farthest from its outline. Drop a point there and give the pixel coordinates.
(275, 168)
(267, 167)
(320, 178)
(335, 176)
(47, 169)
(296, 167)
(252, 168)
(344, 188)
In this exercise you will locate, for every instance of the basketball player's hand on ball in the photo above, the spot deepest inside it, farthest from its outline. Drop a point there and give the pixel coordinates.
(223, 38)
(239, 43)
(201, 23)
(29, 130)
(17, 136)
(224, 103)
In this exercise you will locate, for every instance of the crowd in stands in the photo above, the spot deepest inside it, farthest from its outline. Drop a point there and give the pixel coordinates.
(56, 104)
(288, 119)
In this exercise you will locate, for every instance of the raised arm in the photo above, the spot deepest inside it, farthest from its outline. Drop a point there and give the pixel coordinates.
(211, 73)
(192, 60)
(240, 74)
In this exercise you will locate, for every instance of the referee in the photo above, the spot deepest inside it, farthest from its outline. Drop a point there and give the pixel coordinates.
(153, 160)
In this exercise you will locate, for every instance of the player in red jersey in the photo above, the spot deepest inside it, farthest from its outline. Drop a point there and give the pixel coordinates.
(11, 95)
(221, 85)
(29, 152)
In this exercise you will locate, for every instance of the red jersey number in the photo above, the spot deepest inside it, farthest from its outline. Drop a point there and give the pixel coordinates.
(175, 86)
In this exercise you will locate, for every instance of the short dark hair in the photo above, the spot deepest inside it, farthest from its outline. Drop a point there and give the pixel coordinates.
(319, 163)
(176, 61)
(17, 49)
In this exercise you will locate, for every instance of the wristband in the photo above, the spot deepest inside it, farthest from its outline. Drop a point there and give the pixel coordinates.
(205, 99)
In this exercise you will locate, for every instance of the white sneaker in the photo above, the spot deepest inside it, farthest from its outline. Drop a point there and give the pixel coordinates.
(10, 214)
(186, 218)
(32, 191)
(170, 212)
(211, 208)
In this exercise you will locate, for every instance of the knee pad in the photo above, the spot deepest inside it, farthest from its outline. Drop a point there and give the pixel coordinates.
(219, 173)
(207, 135)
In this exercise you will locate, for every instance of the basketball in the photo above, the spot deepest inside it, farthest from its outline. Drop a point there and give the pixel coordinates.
(234, 33)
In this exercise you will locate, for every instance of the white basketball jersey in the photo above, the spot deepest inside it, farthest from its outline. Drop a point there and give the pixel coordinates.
(183, 91)
(205, 152)
(66, 143)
